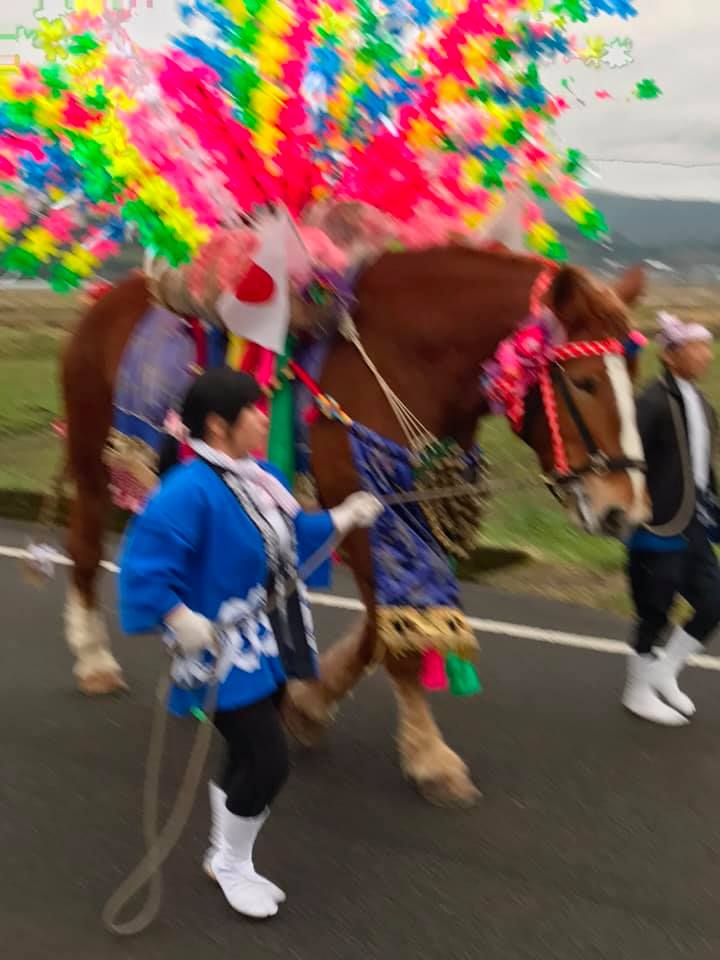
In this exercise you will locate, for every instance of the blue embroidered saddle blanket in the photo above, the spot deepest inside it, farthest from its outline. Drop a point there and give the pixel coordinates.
(155, 373)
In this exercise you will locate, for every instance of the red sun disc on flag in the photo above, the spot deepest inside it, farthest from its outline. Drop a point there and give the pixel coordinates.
(257, 286)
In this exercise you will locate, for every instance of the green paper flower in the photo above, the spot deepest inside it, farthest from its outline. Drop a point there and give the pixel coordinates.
(54, 79)
(647, 90)
(539, 190)
(574, 161)
(573, 9)
(20, 113)
(492, 175)
(514, 132)
(98, 100)
(83, 44)
(16, 260)
(63, 280)
(504, 49)
(556, 251)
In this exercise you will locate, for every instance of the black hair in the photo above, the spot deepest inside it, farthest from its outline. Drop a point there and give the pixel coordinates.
(221, 391)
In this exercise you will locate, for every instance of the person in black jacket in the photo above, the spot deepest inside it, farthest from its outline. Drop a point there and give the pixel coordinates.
(673, 555)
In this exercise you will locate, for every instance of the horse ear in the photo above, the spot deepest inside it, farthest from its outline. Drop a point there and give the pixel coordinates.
(631, 285)
(565, 293)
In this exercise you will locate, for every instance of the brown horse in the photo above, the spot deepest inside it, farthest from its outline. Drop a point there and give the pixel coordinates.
(427, 320)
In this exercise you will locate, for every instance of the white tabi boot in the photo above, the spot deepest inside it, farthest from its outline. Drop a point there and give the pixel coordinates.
(233, 869)
(641, 695)
(217, 805)
(678, 650)
(218, 811)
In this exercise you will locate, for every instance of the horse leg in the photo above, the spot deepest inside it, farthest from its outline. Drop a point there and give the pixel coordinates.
(439, 773)
(96, 670)
(310, 707)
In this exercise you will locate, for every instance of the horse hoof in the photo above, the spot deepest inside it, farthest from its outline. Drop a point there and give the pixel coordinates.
(305, 714)
(452, 792)
(307, 731)
(102, 684)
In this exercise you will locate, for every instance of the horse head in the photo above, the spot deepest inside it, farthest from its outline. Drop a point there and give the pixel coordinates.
(579, 416)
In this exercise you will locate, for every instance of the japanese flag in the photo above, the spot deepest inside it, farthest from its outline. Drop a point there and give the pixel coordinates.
(259, 307)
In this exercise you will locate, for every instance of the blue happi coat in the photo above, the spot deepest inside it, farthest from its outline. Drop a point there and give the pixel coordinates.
(195, 544)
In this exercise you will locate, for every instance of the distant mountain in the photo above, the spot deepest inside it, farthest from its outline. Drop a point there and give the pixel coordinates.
(661, 223)
(681, 235)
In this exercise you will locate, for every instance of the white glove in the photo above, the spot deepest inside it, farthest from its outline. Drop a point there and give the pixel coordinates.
(358, 510)
(192, 632)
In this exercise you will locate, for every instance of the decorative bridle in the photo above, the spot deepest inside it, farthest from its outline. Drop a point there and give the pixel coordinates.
(552, 373)
(538, 366)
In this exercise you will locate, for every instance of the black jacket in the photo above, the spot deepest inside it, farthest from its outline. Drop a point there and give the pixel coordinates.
(663, 430)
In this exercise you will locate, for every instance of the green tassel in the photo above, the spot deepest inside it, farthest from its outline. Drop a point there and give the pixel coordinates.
(462, 676)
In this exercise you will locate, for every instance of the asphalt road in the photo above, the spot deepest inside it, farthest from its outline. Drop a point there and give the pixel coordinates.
(598, 835)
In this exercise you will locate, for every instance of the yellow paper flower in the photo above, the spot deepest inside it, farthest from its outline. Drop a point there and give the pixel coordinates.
(40, 243)
(158, 194)
(473, 170)
(183, 222)
(237, 10)
(331, 22)
(276, 18)
(449, 90)
(339, 106)
(473, 219)
(94, 7)
(48, 113)
(197, 237)
(50, 36)
(541, 235)
(422, 134)
(80, 261)
(475, 53)
(577, 207)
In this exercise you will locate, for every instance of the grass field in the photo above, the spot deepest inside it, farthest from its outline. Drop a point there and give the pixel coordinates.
(565, 564)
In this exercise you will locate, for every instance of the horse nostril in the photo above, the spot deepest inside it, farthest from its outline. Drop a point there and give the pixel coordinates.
(615, 523)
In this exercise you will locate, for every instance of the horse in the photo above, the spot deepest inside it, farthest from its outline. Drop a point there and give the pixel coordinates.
(426, 321)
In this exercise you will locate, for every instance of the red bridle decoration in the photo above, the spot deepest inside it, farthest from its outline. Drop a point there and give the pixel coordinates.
(578, 350)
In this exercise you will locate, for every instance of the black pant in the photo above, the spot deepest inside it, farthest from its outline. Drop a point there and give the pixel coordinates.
(656, 579)
(257, 762)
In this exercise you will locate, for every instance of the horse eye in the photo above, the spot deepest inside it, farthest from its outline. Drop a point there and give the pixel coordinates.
(587, 385)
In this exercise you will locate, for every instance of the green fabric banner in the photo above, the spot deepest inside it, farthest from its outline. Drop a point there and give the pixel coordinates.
(281, 445)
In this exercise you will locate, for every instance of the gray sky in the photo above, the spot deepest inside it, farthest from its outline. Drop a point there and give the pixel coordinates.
(676, 42)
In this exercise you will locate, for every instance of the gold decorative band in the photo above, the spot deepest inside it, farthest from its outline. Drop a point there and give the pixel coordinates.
(405, 630)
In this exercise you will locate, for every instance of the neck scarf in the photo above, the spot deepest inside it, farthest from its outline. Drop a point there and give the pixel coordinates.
(249, 470)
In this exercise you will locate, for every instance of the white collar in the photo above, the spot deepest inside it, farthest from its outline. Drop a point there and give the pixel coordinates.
(249, 470)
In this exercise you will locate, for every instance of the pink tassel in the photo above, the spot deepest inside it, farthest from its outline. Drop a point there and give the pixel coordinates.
(432, 673)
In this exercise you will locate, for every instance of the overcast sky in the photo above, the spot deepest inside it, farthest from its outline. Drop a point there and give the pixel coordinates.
(676, 42)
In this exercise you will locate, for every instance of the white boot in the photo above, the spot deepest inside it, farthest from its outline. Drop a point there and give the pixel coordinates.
(640, 695)
(678, 650)
(233, 869)
(218, 798)
(217, 805)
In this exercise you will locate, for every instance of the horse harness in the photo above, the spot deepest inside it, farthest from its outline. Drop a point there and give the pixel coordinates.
(541, 398)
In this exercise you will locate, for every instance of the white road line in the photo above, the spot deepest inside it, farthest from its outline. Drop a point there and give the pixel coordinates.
(557, 638)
